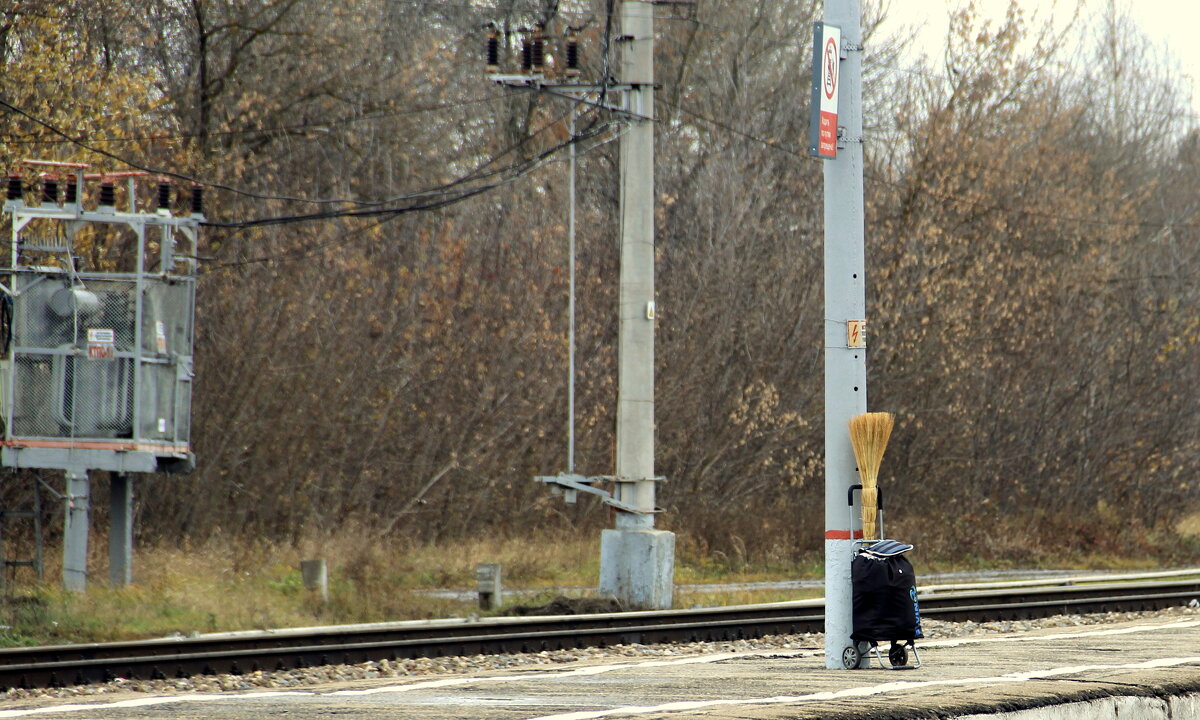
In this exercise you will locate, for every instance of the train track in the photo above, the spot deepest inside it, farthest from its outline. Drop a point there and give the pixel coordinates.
(242, 652)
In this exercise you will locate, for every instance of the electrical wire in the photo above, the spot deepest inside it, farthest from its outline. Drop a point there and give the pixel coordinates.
(91, 145)
(735, 131)
(561, 11)
(479, 171)
(4, 104)
(312, 125)
(307, 251)
(509, 173)
(473, 175)
(941, 197)
(452, 192)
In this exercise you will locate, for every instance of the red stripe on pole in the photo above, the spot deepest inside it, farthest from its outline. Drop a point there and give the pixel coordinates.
(843, 535)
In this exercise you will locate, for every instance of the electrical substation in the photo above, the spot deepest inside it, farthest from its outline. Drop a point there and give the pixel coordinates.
(96, 371)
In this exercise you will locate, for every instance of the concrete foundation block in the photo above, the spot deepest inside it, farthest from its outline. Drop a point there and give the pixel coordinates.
(637, 567)
(315, 575)
(491, 591)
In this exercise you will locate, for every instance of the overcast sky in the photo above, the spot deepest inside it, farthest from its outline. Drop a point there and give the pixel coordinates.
(1172, 24)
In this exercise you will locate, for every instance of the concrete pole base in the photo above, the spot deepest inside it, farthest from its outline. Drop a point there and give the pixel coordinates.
(120, 531)
(637, 567)
(839, 603)
(75, 532)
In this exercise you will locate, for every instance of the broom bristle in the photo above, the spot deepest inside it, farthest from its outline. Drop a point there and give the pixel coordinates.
(869, 434)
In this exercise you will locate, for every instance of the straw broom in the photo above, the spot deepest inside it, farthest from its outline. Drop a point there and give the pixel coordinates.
(869, 435)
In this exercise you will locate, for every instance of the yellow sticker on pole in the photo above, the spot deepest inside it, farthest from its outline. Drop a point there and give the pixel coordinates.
(856, 333)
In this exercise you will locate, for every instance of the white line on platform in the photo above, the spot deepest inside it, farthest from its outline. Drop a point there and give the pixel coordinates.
(591, 670)
(958, 642)
(149, 701)
(863, 691)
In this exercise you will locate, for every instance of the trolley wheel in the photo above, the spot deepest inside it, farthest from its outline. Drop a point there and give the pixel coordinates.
(851, 657)
(898, 656)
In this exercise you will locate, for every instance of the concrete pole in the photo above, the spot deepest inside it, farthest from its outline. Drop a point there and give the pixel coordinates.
(637, 563)
(120, 530)
(845, 300)
(635, 383)
(75, 534)
(571, 300)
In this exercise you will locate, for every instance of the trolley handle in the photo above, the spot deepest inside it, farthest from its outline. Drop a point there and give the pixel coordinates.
(850, 496)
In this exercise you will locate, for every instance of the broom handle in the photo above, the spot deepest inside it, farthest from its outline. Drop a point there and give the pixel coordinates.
(878, 505)
(850, 496)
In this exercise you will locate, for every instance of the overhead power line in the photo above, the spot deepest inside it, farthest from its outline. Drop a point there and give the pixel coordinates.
(91, 147)
(290, 128)
(308, 250)
(480, 172)
(945, 198)
(448, 194)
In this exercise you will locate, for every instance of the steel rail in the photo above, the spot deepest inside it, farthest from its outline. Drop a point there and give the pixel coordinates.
(242, 652)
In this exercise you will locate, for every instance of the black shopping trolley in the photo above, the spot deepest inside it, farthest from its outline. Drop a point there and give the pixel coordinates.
(885, 600)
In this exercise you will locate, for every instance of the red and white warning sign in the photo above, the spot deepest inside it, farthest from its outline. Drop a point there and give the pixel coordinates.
(827, 53)
(856, 333)
(101, 343)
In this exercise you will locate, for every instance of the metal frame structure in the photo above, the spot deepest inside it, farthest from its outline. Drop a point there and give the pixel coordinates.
(96, 368)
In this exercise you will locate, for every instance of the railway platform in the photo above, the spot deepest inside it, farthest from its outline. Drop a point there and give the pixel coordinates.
(1143, 669)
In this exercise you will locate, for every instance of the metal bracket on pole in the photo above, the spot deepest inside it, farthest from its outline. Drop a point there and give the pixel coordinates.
(843, 139)
(578, 92)
(569, 484)
(516, 80)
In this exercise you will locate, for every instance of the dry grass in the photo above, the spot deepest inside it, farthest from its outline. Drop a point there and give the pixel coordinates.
(1189, 526)
(234, 584)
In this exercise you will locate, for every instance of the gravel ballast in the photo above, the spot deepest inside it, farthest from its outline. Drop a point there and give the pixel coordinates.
(308, 677)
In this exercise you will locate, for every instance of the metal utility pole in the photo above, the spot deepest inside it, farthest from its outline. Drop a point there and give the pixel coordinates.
(637, 562)
(845, 313)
